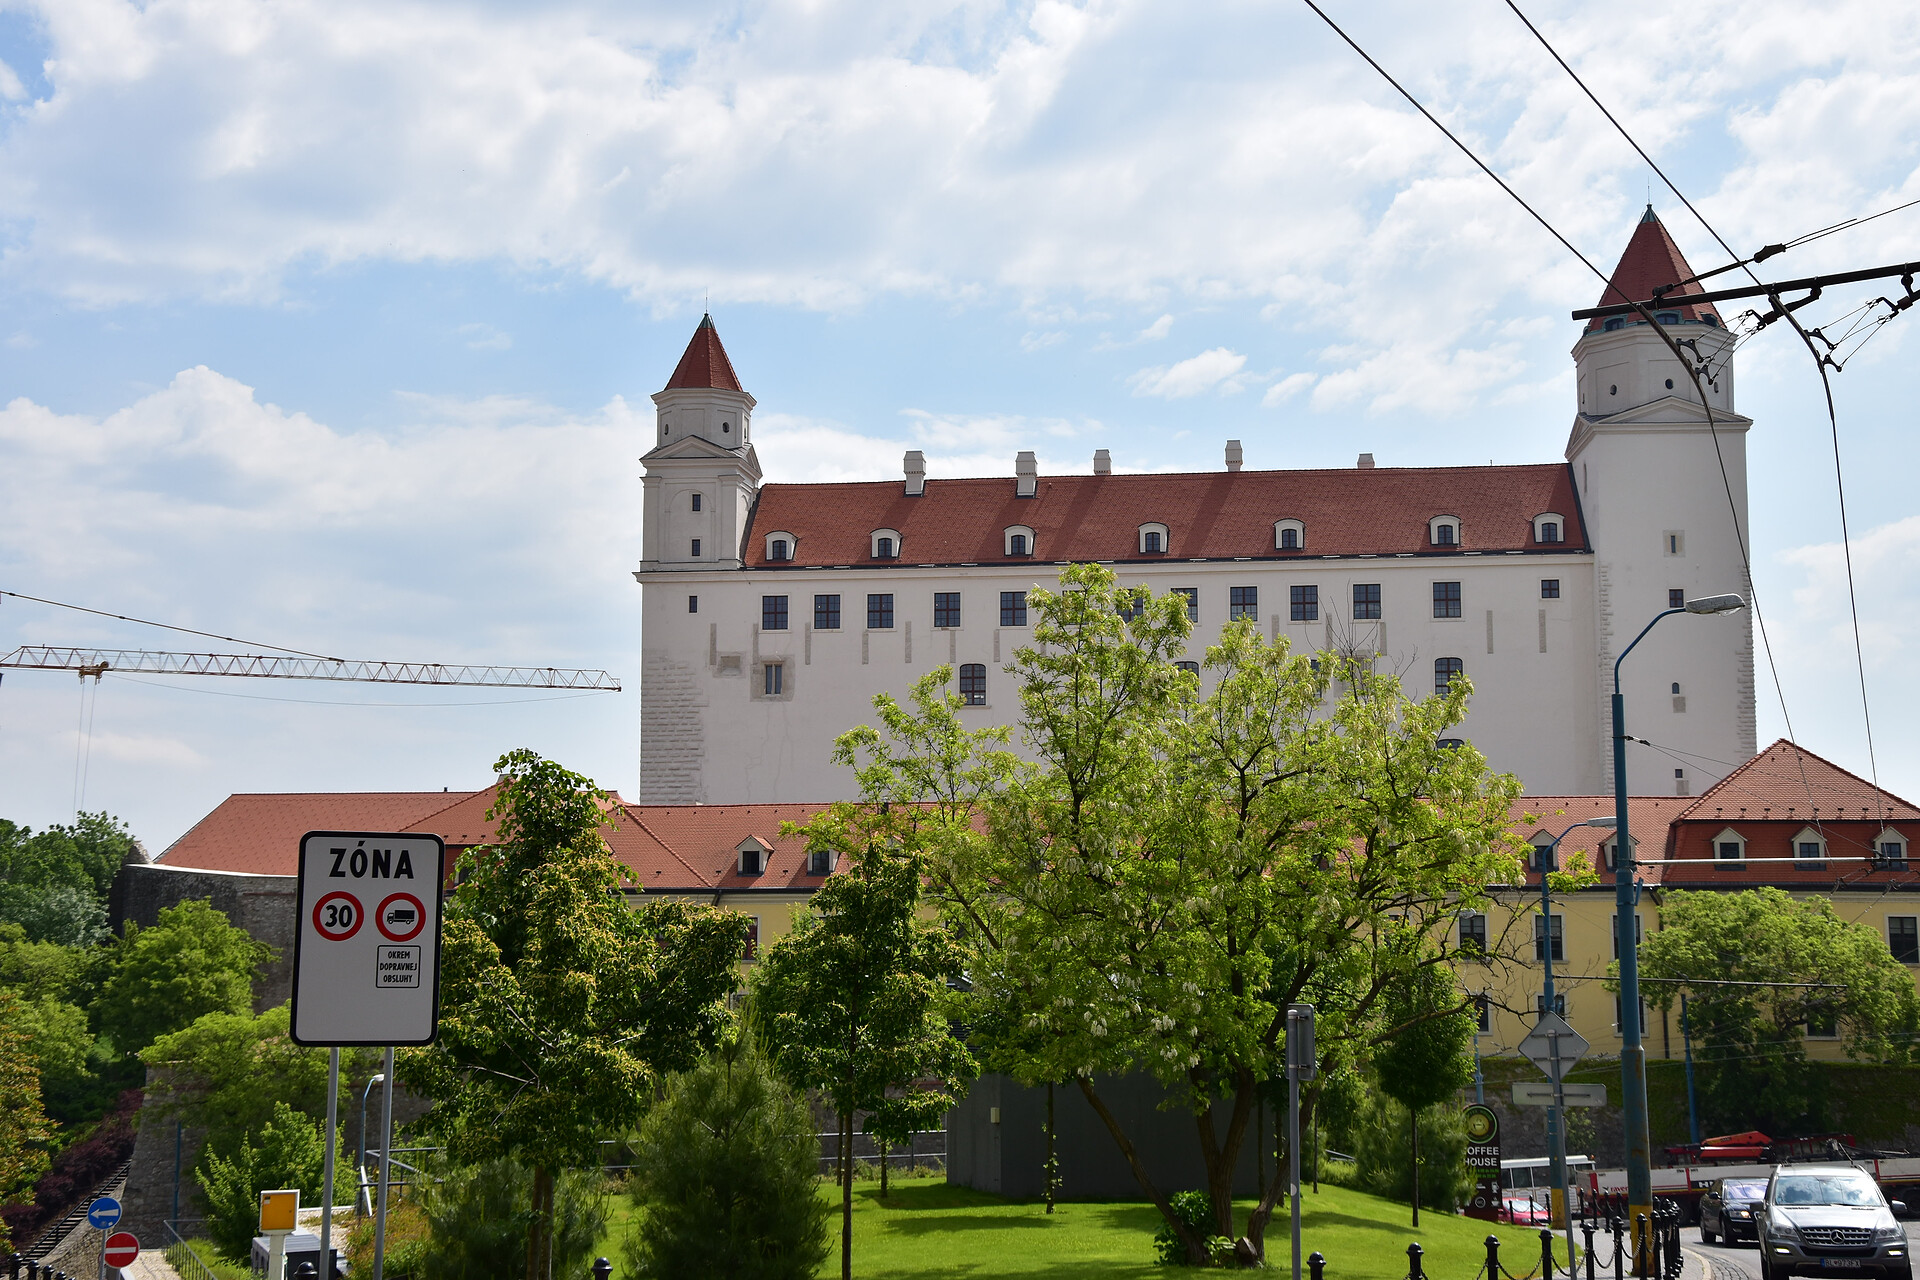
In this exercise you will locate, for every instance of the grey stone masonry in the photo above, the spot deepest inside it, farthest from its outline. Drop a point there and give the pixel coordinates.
(262, 905)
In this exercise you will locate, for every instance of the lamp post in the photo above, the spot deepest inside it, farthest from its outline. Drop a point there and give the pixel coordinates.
(1633, 1055)
(377, 1078)
(1556, 1139)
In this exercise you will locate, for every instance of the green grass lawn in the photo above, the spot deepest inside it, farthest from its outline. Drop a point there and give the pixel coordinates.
(927, 1230)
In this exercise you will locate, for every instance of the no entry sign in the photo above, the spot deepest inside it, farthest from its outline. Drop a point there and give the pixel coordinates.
(122, 1249)
(366, 958)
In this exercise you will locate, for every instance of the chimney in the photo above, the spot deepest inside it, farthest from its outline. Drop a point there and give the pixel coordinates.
(1234, 456)
(916, 466)
(1366, 462)
(1102, 463)
(1026, 474)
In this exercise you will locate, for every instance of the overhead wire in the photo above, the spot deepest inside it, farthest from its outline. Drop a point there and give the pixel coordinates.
(168, 626)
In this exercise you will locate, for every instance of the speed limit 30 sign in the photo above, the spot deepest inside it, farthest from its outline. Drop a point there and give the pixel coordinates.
(366, 957)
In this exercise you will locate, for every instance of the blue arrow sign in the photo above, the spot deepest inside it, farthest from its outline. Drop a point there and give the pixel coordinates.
(103, 1213)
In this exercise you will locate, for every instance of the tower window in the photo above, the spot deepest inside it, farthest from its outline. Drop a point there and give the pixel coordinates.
(775, 679)
(726, 427)
(773, 613)
(1013, 608)
(696, 502)
(696, 547)
(1445, 671)
(1669, 384)
(880, 612)
(1676, 597)
(973, 684)
(1243, 602)
(1446, 599)
(1549, 588)
(1187, 665)
(1366, 601)
(1614, 322)
(1667, 317)
(946, 608)
(826, 613)
(1303, 603)
(693, 604)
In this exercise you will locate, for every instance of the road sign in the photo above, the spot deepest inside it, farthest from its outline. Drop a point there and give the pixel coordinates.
(103, 1213)
(1539, 1044)
(1535, 1094)
(122, 1249)
(377, 985)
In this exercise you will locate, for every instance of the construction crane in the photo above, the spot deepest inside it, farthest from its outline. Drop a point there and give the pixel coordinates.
(97, 662)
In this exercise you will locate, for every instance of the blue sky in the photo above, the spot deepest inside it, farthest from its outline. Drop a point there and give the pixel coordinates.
(331, 325)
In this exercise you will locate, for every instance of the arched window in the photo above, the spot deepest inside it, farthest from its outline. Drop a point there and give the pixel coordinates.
(1444, 671)
(1667, 317)
(1018, 540)
(781, 544)
(1549, 527)
(1191, 668)
(885, 544)
(1289, 535)
(1614, 322)
(973, 684)
(1445, 744)
(1017, 545)
(1444, 531)
(1154, 539)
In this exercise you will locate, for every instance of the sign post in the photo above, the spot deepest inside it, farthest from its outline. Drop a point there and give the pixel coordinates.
(121, 1250)
(102, 1215)
(1555, 1047)
(1300, 1067)
(366, 970)
(279, 1214)
(1483, 1157)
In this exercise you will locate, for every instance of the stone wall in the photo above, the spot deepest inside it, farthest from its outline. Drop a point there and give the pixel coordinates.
(262, 905)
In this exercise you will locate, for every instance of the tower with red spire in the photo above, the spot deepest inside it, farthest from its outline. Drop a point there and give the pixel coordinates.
(1663, 491)
(701, 474)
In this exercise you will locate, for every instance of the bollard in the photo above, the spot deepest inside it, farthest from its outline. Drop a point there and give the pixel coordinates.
(306, 1271)
(1493, 1257)
(1316, 1266)
(33, 1269)
(1586, 1229)
(1546, 1254)
(602, 1268)
(1619, 1260)
(1642, 1247)
(1414, 1271)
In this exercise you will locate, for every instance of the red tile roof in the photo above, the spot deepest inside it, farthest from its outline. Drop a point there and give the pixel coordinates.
(1651, 260)
(704, 363)
(1788, 783)
(1649, 820)
(682, 847)
(1212, 515)
(260, 834)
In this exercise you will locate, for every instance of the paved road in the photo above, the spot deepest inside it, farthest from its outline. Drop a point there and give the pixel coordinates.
(1742, 1261)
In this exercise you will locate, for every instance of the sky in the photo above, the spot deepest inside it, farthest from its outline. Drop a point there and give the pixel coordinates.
(331, 325)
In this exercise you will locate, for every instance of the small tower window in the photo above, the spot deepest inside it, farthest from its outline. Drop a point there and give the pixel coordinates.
(1614, 322)
(726, 426)
(1667, 317)
(696, 502)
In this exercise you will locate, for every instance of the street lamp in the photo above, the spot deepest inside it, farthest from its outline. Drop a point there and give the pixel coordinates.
(1633, 1055)
(377, 1078)
(1556, 1140)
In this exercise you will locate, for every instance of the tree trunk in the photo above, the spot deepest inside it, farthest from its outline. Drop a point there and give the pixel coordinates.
(1263, 1211)
(885, 1151)
(1414, 1114)
(1196, 1247)
(846, 1195)
(1053, 1162)
(1220, 1159)
(540, 1230)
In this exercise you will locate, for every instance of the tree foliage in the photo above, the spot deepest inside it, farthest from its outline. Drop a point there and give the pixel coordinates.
(289, 1150)
(24, 1130)
(727, 1176)
(561, 1006)
(54, 883)
(853, 1002)
(1752, 1062)
(478, 1218)
(1424, 1055)
(1174, 869)
(1385, 1157)
(193, 961)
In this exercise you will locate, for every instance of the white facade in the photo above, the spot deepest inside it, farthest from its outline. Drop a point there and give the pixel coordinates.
(736, 709)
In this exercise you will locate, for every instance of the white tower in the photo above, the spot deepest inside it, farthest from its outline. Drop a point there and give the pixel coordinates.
(1664, 496)
(702, 474)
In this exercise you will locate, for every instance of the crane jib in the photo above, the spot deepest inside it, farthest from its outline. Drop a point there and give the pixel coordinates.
(94, 662)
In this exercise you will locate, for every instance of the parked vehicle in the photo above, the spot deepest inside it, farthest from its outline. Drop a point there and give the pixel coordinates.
(1819, 1219)
(1730, 1210)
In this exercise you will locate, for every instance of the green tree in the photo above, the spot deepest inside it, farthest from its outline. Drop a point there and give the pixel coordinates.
(55, 883)
(289, 1150)
(1385, 1159)
(1176, 868)
(1752, 1060)
(191, 962)
(478, 1217)
(24, 1131)
(853, 1003)
(1424, 1056)
(727, 1176)
(560, 1005)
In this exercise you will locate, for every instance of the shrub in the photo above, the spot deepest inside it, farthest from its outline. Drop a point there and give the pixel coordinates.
(407, 1243)
(290, 1153)
(1195, 1210)
(477, 1218)
(1383, 1148)
(727, 1178)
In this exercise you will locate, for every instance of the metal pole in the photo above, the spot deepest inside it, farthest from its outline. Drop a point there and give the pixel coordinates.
(1479, 1081)
(176, 1171)
(1686, 1038)
(386, 1166)
(326, 1175)
(1293, 1156)
(1556, 1144)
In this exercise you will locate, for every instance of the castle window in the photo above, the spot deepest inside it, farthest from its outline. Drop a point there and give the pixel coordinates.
(880, 612)
(1303, 603)
(946, 608)
(1809, 850)
(973, 684)
(696, 547)
(1614, 322)
(1549, 527)
(826, 613)
(1445, 744)
(1188, 666)
(1549, 588)
(1018, 539)
(774, 679)
(1444, 531)
(1445, 671)
(820, 862)
(1154, 539)
(1903, 938)
(773, 613)
(780, 545)
(1366, 601)
(1289, 535)
(1243, 602)
(693, 604)
(1193, 601)
(885, 543)
(1892, 852)
(696, 502)
(1446, 599)
(1676, 597)
(1013, 608)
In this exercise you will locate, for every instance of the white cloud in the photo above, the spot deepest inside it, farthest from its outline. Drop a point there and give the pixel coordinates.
(1285, 389)
(1031, 342)
(1193, 376)
(484, 337)
(1157, 330)
(133, 748)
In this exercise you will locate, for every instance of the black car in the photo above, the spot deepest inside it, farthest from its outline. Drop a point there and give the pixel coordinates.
(1730, 1210)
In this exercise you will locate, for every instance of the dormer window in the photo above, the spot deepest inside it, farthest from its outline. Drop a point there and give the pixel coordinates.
(885, 544)
(1444, 531)
(780, 545)
(820, 862)
(1667, 317)
(1289, 535)
(1730, 849)
(1154, 539)
(754, 853)
(1810, 850)
(1549, 526)
(1614, 322)
(1018, 539)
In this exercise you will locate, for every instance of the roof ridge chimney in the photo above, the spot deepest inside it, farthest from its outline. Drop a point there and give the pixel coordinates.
(1102, 462)
(915, 465)
(1026, 474)
(1366, 462)
(1234, 455)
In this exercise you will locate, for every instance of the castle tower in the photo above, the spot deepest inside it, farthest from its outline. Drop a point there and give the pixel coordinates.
(701, 475)
(1664, 496)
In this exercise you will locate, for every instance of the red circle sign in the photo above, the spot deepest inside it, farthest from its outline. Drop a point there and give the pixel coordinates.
(337, 916)
(122, 1249)
(401, 917)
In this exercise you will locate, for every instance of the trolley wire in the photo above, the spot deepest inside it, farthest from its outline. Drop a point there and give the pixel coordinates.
(168, 626)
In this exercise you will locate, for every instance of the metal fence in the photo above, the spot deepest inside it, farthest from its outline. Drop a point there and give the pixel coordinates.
(1609, 1257)
(925, 1148)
